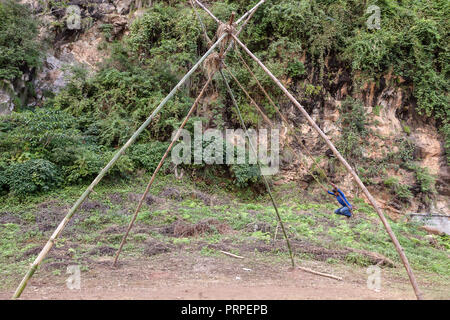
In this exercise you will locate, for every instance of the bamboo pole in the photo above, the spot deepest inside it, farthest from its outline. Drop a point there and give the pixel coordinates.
(263, 115)
(321, 273)
(241, 120)
(209, 12)
(170, 146)
(161, 162)
(102, 173)
(251, 11)
(372, 200)
(290, 128)
(208, 40)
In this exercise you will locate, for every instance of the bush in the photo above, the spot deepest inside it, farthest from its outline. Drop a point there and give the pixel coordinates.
(245, 175)
(32, 176)
(401, 191)
(148, 155)
(296, 69)
(19, 48)
(446, 132)
(114, 104)
(4, 186)
(354, 128)
(52, 136)
(425, 180)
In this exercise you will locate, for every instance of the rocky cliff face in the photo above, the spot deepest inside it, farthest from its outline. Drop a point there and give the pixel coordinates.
(388, 102)
(395, 119)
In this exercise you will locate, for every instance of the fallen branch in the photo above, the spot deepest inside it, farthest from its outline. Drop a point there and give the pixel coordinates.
(320, 273)
(231, 254)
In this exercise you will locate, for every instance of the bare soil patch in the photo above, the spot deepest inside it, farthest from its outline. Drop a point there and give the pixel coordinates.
(182, 275)
(154, 247)
(9, 217)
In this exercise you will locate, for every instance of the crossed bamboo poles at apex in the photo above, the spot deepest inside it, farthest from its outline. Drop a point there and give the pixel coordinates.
(227, 30)
(133, 138)
(49, 244)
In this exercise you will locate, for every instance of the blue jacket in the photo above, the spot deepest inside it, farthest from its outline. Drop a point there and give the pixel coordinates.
(341, 199)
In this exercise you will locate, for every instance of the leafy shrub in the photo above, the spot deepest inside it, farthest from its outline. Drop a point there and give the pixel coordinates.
(85, 165)
(296, 69)
(446, 132)
(4, 187)
(245, 175)
(115, 103)
(44, 133)
(51, 137)
(354, 128)
(148, 155)
(19, 48)
(32, 176)
(400, 190)
(425, 180)
(165, 35)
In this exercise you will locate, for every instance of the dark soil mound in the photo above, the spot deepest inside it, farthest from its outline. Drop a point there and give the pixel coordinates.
(183, 229)
(153, 247)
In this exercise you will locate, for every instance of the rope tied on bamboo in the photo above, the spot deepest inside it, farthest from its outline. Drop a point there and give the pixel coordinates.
(212, 64)
(225, 28)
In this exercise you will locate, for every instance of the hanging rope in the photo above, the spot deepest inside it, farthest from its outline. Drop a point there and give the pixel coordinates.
(221, 29)
(199, 18)
(241, 120)
(271, 125)
(267, 120)
(263, 115)
(372, 200)
(291, 130)
(283, 118)
(147, 189)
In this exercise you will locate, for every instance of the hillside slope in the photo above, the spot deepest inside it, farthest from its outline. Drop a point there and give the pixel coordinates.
(366, 89)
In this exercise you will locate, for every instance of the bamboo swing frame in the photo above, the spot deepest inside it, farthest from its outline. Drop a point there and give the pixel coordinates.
(233, 36)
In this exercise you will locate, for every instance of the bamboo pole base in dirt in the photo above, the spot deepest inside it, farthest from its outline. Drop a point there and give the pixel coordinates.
(397, 245)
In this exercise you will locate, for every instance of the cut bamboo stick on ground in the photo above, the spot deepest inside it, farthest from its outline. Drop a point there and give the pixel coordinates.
(253, 149)
(321, 273)
(103, 172)
(231, 254)
(338, 155)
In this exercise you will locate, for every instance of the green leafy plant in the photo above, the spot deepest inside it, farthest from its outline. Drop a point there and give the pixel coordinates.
(354, 128)
(400, 190)
(32, 176)
(19, 49)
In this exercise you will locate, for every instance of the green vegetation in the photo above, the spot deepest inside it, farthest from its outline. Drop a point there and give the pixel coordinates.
(49, 153)
(19, 48)
(400, 190)
(98, 112)
(354, 129)
(311, 224)
(424, 179)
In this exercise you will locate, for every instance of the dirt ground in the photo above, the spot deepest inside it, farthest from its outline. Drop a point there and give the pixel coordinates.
(190, 275)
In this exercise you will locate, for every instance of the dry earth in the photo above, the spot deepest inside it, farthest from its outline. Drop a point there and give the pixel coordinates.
(190, 275)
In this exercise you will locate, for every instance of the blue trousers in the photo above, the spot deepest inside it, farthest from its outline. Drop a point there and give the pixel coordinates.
(343, 211)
